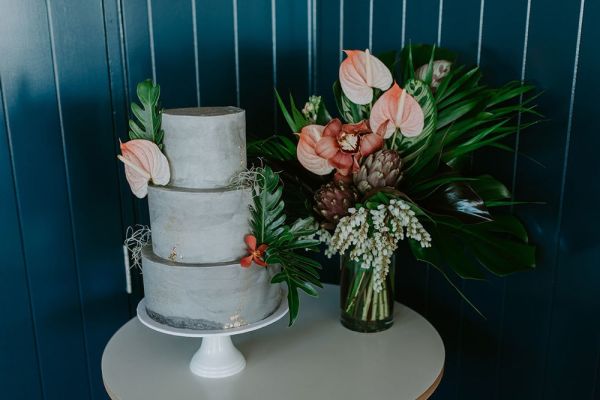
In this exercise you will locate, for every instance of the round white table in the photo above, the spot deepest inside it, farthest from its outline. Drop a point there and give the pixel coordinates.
(316, 358)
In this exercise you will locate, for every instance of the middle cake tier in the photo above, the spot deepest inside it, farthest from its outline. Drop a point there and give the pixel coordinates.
(199, 225)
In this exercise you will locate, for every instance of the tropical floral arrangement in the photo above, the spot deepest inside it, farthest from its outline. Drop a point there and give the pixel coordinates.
(394, 165)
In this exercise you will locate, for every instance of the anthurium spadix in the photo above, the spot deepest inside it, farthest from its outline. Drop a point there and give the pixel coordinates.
(360, 72)
(400, 110)
(144, 162)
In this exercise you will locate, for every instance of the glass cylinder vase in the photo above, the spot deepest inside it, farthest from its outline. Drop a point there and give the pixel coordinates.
(366, 297)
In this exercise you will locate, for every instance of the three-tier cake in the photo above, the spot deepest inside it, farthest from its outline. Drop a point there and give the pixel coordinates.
(192, 274)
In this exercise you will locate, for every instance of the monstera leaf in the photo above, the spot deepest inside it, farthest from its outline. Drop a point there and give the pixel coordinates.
(499, 246)
(148, 124)
(284, 242)
(459, 200)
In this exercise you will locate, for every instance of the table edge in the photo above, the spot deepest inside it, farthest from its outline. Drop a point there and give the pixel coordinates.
(429, 392)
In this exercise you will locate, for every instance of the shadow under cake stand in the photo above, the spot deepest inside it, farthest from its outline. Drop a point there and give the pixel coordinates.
(217, 357)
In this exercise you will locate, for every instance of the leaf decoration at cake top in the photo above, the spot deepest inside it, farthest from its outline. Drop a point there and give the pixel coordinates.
(273, 242)
(142, 155)
(144, 162)
(148, 115)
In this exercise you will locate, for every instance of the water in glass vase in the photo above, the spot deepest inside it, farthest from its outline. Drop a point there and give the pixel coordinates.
(366, 306)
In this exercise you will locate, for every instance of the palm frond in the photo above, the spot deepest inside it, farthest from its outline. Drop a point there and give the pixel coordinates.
(276, 147)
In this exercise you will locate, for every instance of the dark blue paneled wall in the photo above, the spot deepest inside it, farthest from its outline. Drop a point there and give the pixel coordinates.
(68, 69)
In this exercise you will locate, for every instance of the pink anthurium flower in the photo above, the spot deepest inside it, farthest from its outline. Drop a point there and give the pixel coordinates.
(254, 254)
(336, 145)
(360, 72)
(305, 151)
(399, 110)
(144, 162)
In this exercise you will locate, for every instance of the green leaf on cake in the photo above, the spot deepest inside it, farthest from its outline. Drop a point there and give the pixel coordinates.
(267, 217)
(286, 243)
(147, 122)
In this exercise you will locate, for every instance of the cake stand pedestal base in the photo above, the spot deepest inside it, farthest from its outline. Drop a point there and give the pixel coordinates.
(217, 357)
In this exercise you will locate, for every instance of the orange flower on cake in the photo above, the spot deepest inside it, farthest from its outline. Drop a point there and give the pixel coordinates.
(254, 254)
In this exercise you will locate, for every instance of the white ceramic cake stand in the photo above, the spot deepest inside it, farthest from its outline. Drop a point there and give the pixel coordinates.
(217, 357)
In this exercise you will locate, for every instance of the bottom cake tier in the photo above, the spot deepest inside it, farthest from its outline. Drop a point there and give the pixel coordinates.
(207, 296)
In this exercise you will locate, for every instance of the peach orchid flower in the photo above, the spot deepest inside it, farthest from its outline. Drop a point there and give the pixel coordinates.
(144, 162)
(254, 254)
(398, 110)
(336, 145)
(360, 72)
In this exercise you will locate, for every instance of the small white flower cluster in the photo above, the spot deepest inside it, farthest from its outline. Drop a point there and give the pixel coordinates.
(323, 236)
(320, 234)
(311, 108)
(374, 247)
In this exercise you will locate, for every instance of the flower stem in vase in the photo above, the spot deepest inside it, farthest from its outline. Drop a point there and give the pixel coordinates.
(365, 306)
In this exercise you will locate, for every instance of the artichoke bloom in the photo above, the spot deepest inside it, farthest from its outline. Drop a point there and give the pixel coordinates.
(396, 109)
(336, 145)
(380, 169)
(332, 202)
(144, 162)
(360, 72)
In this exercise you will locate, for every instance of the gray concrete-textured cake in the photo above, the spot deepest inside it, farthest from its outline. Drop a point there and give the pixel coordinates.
(192, 275)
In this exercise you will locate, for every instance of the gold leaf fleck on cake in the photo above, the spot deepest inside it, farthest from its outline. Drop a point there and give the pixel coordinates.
(173, 255)
(236, 321)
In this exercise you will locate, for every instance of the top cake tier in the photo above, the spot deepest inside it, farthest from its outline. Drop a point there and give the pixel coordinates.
(205, 146)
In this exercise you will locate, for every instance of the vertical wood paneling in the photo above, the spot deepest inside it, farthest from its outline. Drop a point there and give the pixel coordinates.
(256, 66)
(356, 24)
(328, 49)
(421, 21)
(92, 174)
(292, 51)
(502, 58)
(387, 26)
(216, 52)
(528, 298)
(136, 44)
(18, 343)
(27, 76)
(173, 38)
(574, 338)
